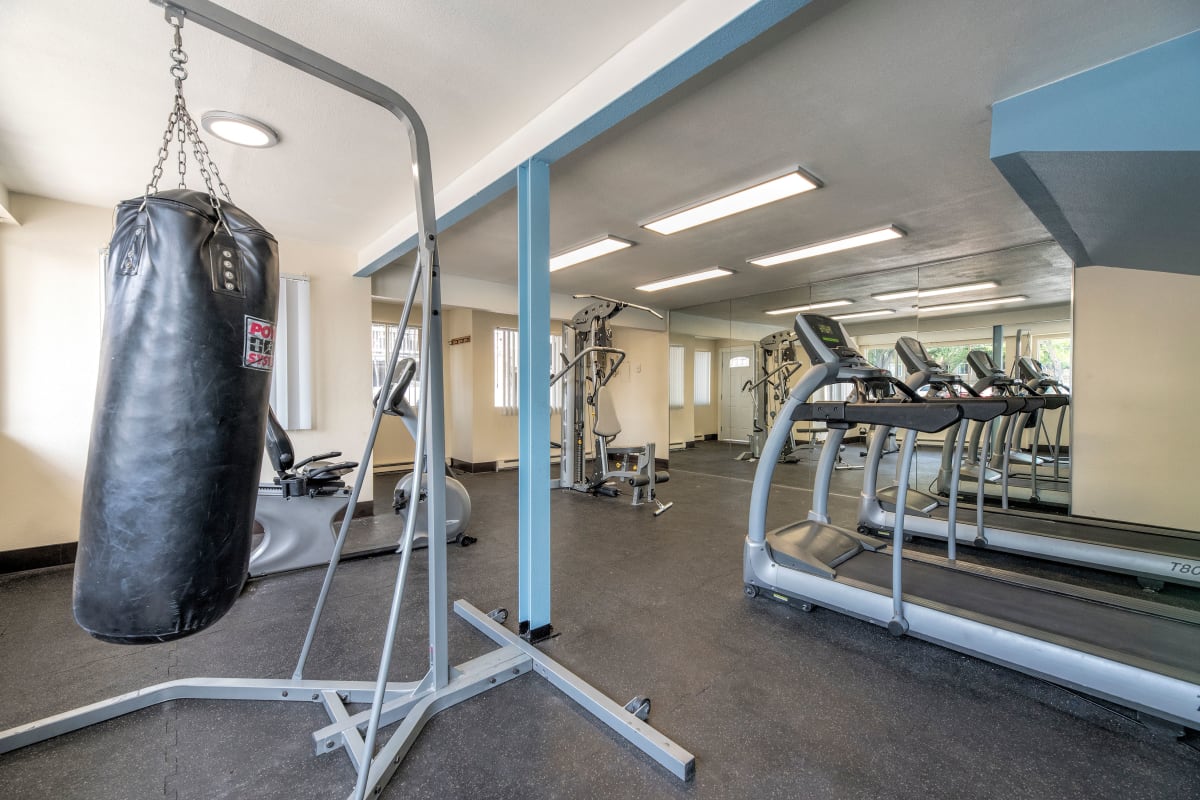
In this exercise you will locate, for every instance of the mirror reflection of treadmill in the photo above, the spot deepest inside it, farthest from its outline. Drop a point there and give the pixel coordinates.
(1033, 479)
(1151, 554)
(1140, 654)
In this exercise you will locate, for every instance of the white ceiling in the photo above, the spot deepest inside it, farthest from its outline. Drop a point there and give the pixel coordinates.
(84, 96)
(886, 102)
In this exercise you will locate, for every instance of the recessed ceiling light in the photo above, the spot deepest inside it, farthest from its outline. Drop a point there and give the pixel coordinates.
(831, 246)
(793, 183)
(680, 280)
(586, 252)
(965, 287)
(810, 307)
(239, 129)
(1018, 298)
(864, 314)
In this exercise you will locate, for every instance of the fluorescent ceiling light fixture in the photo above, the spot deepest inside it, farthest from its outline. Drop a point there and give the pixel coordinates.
(239, 129)
(965, 287)
(680, 280)
(864, 314)
(810, 307)
(586, 252)
(1017, 298)
(793, 183)
(831, 246)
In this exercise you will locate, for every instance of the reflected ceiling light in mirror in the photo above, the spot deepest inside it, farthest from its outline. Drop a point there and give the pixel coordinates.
(883, 312)
(809, 307)
(586, 252)
(831, 246)
(793, 183)
(907, 293)
(239, 129)
(1017, 298)
(681, 280)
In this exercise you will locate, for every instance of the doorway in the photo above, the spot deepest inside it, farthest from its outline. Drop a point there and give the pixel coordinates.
(737, 406)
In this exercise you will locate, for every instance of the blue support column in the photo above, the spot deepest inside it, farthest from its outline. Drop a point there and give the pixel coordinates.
(533, 283)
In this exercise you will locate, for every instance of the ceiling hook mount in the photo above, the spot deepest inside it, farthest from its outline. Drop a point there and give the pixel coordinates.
(174, 15)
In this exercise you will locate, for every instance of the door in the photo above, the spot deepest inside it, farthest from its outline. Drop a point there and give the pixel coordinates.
(737, 406)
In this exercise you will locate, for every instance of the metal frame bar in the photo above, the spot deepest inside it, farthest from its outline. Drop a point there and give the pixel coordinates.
(411, 703)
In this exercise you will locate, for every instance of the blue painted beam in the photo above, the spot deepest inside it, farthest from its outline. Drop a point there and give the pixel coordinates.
(533, 288)
(1108, 159)
(740, 30)
(1146, 101)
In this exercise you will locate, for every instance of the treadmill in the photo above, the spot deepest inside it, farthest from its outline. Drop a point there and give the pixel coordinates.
(1126, 650)
(1153, 555)
(1039, 382)
(1031, 483)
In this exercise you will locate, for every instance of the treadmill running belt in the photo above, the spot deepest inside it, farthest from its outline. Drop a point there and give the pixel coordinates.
(1181, 545)
(1112, 632)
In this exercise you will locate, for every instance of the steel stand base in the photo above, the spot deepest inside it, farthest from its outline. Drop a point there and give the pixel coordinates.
(411, 703)
(666, 752)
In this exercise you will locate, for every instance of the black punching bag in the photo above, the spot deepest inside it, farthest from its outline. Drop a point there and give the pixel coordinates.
(181, 410)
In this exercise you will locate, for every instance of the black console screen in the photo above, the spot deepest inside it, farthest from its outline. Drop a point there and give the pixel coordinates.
(829, 330)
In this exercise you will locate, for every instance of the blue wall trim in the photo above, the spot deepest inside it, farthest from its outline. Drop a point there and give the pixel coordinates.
(746, 26)
(1146, 101)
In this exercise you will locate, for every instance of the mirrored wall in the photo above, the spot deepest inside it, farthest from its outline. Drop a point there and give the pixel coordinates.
(736, 374)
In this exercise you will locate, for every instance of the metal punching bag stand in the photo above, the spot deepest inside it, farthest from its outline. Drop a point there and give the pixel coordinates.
(410, 703)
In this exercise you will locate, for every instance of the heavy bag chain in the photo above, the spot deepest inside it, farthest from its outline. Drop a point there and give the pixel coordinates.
(182, 128)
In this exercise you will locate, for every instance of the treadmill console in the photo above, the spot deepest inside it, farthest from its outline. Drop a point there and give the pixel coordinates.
(982, 364)
(1030, 369)
(824, 339)
(915, 357)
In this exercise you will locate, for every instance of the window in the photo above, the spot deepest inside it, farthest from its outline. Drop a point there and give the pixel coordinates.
(954, 356)
(702, 379)
(505, 376)
(1055, 354)
(291, 372)
(556, 363)
(739, 361)
(675, 376)
(886, 358)
(383, 339)
(505, 371)
(507, 388)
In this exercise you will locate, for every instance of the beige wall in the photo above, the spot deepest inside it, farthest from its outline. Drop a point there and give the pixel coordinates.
(639, 389)
(50, 300)
(460, 385)
(341, 337)
(494, 435)
(50, 288)
(1135, 319)
(693, 421)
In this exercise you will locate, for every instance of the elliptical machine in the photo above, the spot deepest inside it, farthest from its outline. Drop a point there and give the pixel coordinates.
(590, 360)
(458, 502)
(298, 510)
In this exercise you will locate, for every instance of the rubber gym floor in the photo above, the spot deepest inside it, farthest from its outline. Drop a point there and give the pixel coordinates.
(774, 703)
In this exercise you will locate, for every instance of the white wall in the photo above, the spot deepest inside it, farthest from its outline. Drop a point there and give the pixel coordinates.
(1130, 320)
(50, 301)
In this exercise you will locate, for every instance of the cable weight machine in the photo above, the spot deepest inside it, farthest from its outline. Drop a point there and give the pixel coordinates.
(590, 360)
